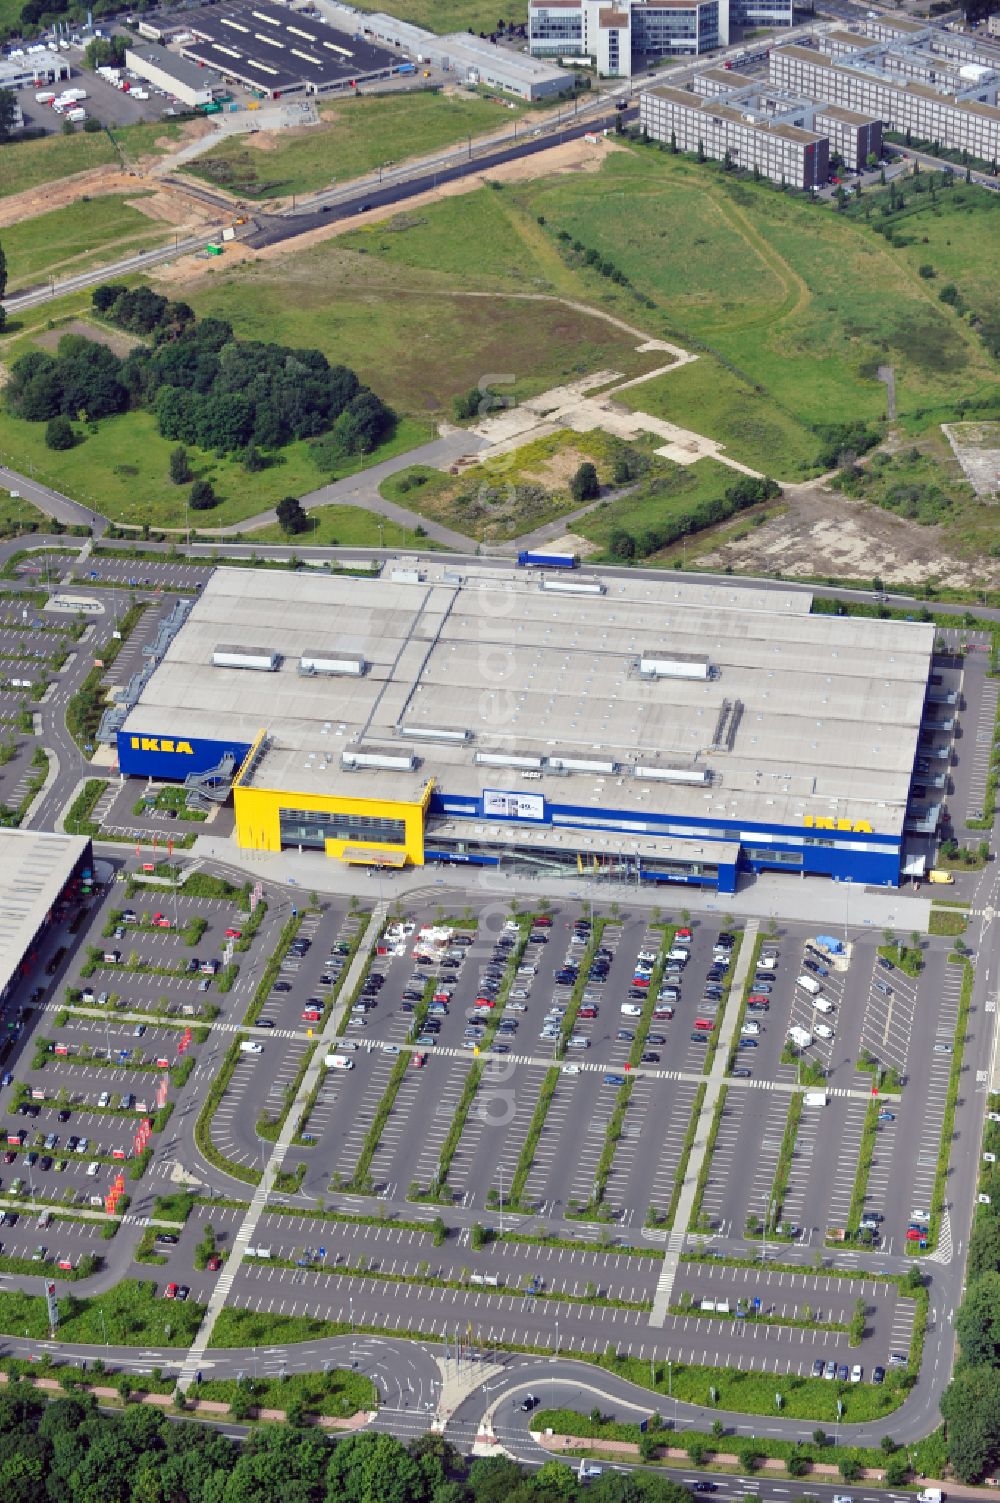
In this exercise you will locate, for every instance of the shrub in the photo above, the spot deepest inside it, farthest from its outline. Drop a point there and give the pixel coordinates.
(59, 433)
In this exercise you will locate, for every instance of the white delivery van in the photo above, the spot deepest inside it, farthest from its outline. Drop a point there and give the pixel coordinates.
(338, 1062)
(800, 1037)
(814, 1098)
(808, 985)
(248, 1046)
(822, 1004)
(930, 1495)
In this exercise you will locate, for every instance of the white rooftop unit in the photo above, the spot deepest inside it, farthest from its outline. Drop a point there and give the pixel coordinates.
(434, 733)
(673, 774)
(349, 663)
(259, 659)
(506, 759)
(388, 761)
(560, 586)
(676, 665)
(579, 764)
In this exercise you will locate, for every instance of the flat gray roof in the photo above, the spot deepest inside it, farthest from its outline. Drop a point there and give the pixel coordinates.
(823, 711)
(34, 868)
(180, 68)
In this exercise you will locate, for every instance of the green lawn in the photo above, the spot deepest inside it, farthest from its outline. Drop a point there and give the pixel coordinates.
(27, 164)
(72, 239)
(122, 470)
(710, 399)
(454, 15)
(357, 136)
(344, 527)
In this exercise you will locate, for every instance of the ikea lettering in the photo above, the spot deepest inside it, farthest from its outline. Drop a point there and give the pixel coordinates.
(161, 744)
(827, 822)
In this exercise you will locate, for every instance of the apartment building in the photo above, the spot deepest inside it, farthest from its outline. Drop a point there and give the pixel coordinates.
(783, 153)
(852, 137)
(971, 123)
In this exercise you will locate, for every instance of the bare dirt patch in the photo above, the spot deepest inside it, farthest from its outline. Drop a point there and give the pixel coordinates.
(156, 200)
(120, 343)
(822, 533)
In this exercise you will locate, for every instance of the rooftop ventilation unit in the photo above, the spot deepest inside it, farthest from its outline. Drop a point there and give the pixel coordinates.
(352, 761)
(507, 759)
(676, 666)
(700, 775)
(578, 764)
(558, 586)
(434, 733)
(259, 659)
(348, 665)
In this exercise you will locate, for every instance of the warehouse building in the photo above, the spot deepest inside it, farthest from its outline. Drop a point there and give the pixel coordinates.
(274, 51)
(192, 84)
(27, 69)
(667, 730)
(471, 59)
(781, 152)
(37, 871)
(965, 121)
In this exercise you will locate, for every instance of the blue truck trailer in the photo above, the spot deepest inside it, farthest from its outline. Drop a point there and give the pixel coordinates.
(548, 560)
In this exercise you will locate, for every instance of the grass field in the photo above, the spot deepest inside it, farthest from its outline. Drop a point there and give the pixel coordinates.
(405, 329)
(18, 516)
(799, 304)
(28, 164)
(72, 239)
(357, 136)
(122, 470)
(455, 15)
(344, 527)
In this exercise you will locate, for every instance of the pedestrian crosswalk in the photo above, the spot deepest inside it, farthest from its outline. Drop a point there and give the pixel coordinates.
(943, 1253)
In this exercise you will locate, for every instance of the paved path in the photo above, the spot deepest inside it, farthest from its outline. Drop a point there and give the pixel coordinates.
(716, 1079)
(362, 490)
(258, 1204)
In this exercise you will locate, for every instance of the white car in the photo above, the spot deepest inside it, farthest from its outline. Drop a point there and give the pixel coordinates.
(571, 1069)
(920, 1215)
(857, 1373)
(750, 1028)
(630, 1010)
(823, 1030)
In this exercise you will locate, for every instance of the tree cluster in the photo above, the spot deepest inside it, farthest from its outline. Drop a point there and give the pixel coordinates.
(970, 1404)
(205, 387)
(69, 1452)
(748, 491)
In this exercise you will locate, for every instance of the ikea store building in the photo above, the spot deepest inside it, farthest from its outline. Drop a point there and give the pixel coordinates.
(659, 729)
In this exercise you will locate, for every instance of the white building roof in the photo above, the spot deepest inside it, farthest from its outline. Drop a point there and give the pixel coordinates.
(34, 868)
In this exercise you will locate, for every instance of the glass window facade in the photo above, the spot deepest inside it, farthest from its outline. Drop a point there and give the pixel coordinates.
(313, 828)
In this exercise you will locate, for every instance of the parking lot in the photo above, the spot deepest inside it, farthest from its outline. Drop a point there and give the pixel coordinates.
(552, 1016)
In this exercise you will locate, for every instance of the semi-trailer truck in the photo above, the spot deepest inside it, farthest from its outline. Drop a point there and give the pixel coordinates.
(548, 560)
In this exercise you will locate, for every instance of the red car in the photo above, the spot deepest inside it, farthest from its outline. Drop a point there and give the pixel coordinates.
(762, 1002)
(311, 1015)
(682, 933)
(170, 1292)
(484, 1002)
(214, 1263)
(543, 923)
(640, 981)
(587, 1012)
(234, 933)
(160, 921)
(663, 1012)
(704, 1025)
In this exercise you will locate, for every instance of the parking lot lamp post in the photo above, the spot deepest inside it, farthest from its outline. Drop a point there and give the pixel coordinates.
(670, 1389)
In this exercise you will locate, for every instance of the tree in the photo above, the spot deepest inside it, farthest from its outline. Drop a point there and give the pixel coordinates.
(7, 108)
(180, 469)
(621, 544)
(554, 1479)
(977, 1323)
(585, 485)
(984, 1247)
(291, 516)
(59, 433)
(374, 1468)
(202, 496)
(897, 1470)
(970, 1407)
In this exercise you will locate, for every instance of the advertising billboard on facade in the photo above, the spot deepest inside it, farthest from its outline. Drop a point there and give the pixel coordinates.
(503, 803)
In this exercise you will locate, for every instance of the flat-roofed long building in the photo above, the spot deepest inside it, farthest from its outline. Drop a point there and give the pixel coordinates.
(783, 153)
(673, 729)
(36, 868)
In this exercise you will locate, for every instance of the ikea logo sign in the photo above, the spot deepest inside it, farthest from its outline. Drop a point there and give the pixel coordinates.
(821, 822)
(161, 744)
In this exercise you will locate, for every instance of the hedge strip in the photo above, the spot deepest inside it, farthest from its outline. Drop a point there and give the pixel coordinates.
(706, 1165)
